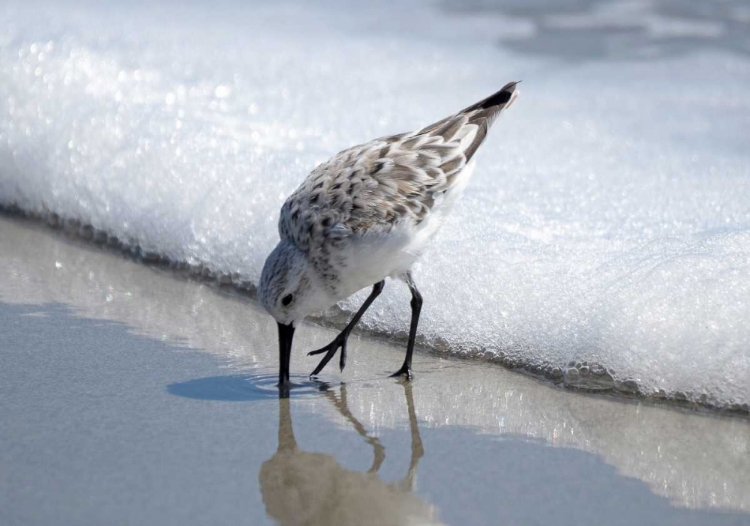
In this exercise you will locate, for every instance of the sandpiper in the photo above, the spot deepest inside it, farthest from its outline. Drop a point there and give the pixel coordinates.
(366, 214)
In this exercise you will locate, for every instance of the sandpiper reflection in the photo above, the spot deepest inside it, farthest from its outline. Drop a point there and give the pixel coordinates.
(301, 488)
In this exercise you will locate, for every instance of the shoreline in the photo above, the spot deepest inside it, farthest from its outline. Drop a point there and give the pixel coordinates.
(579, 376)
(695, 460)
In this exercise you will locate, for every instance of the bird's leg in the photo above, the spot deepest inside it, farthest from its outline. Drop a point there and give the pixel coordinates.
(343, 336)
(416, 308)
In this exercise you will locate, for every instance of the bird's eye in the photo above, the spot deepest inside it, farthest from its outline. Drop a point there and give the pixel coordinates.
(286, 300)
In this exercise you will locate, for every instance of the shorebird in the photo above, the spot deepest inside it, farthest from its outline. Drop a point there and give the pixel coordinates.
(366, 214)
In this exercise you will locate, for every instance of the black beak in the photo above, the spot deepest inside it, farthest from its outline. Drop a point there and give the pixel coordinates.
(286, 335)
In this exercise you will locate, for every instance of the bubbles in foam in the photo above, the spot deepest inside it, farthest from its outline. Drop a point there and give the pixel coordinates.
(604, 240)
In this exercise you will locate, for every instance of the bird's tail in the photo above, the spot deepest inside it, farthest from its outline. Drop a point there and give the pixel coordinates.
(473, 123)
(484, 113)
(490, 107)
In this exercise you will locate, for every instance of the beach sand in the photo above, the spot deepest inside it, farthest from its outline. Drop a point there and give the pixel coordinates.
(131, 395)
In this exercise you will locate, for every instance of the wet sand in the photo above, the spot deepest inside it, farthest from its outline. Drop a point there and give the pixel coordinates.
(132, 396)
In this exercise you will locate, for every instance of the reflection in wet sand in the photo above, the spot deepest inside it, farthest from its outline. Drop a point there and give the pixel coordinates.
(695, 461)
(314, 489)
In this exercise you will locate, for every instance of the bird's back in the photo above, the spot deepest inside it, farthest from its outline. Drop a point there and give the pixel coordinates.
(369, 212)
(373, 187)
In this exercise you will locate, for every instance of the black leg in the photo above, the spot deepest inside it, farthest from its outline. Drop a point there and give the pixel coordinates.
(416, 308)
(340, 340)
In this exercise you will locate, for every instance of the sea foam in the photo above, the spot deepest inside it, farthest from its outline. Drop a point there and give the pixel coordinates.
(604, 240)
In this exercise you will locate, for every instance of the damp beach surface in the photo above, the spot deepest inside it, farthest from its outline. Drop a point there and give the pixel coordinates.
(603, 240)
(132, 396)
(603, 244)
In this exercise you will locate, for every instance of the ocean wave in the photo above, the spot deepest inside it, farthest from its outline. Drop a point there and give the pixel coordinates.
(604, 241)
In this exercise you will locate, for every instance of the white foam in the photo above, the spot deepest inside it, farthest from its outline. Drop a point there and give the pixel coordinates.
(608, 219)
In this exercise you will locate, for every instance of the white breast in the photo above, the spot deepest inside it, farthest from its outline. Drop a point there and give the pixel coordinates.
(376, 256)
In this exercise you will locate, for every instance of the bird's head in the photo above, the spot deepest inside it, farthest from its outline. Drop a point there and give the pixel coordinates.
(290, 290)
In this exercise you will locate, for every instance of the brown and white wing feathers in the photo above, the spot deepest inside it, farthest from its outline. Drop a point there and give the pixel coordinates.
(374, 186)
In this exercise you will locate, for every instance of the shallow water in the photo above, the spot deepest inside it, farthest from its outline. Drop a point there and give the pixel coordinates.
(608, 220)
(135, 397)
(148, 367)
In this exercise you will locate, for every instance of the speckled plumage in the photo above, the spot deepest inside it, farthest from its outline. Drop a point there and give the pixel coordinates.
(390, 182)
(368, 213)
(374, 186)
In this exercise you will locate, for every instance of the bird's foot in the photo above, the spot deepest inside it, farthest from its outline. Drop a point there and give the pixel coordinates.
(330, 350)
(404, 372)
(284, 387)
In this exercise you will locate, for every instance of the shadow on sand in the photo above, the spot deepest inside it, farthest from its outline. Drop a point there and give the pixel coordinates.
(303, 488)
(475, 478)
(242, 388)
